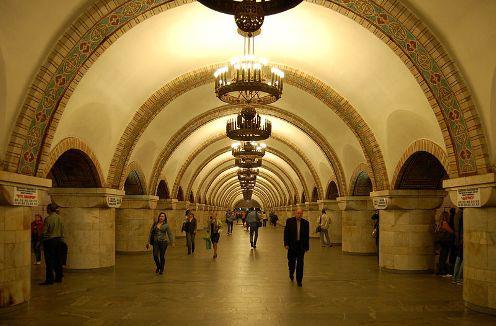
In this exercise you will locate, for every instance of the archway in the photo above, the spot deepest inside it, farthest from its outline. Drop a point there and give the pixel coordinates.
(362, 185)
(315, 195)
(422, 170)
(74, 169)
(332, 191)
(133, 184)
(163, 190)
(180, 194)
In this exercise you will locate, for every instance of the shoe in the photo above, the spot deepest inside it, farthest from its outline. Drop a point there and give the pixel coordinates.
(157, 270)
(291, 277)
(447, 275)
(38, 263)
(45, 283)
(299, 284)
(161, 272)
(459, 283)
(330, 246)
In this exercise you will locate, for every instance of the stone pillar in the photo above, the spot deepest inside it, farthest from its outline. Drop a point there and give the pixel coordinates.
(17, 194)
(479, 238)
(312, 212)
(357, 225)
(133, 221)
(406, 228)
(176, 217)
(335, 219)
(88, 215)
(200, 216)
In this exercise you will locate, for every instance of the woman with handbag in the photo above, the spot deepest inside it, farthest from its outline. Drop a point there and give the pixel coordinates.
(443, 238)
(159, 238)
(214, 227)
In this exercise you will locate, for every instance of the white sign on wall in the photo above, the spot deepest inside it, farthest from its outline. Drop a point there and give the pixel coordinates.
(114, 201)
(468, 197)
(25, 196)
(380, 202)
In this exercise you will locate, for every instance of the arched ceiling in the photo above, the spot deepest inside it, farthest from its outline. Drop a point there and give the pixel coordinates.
(321, 43)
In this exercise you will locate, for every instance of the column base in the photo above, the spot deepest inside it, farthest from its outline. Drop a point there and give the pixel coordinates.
(477, 308)
(9, 309)
(406, 271)
(350, 253)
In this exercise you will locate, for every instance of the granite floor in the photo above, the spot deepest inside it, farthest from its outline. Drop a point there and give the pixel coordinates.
(244, 287)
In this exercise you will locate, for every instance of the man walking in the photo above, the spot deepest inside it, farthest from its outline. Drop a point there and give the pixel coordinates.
(324, 229)
(296, 242)
(253, 220)
(52, 234)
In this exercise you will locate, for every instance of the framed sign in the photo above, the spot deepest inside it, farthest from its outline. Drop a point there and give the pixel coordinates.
(114, 201)
(380, 202)
(25, 196)
(468, 197)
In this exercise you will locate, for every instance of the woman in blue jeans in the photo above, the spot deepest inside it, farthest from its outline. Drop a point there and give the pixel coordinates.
(160, 236)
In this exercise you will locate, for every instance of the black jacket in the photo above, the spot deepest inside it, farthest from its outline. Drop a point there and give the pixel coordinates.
(290, 233)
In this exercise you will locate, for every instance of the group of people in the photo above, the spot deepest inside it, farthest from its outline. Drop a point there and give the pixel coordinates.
(48, 235)
(449, 238)
(296, 237)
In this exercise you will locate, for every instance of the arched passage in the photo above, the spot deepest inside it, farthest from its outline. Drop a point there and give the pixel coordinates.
(74, 169)
(422, 170)
(163, 190)
(332, 191)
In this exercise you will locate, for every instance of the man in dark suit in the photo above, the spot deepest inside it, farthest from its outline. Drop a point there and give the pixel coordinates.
(296, 242)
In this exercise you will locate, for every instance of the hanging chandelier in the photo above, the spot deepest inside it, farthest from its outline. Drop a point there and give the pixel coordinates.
(248, 79)
(248, 126)
(248, 163)
(248, 150)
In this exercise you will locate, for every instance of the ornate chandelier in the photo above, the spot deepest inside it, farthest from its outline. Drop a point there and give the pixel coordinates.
(248, 150)
(248, 126)
(248, 163)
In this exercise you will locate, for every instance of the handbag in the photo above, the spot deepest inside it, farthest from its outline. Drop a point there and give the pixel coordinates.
(318, 229)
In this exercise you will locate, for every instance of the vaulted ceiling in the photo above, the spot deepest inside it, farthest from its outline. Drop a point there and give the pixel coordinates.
(148, 98)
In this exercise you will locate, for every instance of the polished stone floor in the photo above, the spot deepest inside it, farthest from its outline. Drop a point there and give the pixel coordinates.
(244, 287)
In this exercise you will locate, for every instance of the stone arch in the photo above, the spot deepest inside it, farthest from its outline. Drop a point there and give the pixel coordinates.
(332, 191)
(135, 180)
(74, 169)
(422, 170)
(162, 190)
(180, 194)
(67, 144)
(97, 28)
(225, 199)
(422, 145)
(362, 167)
(278, 173)
(315, 195)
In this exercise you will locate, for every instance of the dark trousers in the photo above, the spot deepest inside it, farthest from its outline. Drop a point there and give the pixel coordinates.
(37, 250)
(296, 257)
(253, 234)
(53, 261)
(159, 249)
(230, 225)
(443, 257)
(264, 223)
(190, 242)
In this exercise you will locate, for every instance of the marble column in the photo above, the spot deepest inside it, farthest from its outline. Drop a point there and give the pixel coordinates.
(176, 217)
(312, 213)
(335, 219)
(479, 239)
(133, 221)
(407, 218)
(357, 225)
(18, 193)
(88, 215)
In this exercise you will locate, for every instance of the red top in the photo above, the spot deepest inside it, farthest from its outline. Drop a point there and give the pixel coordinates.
(36, 229)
